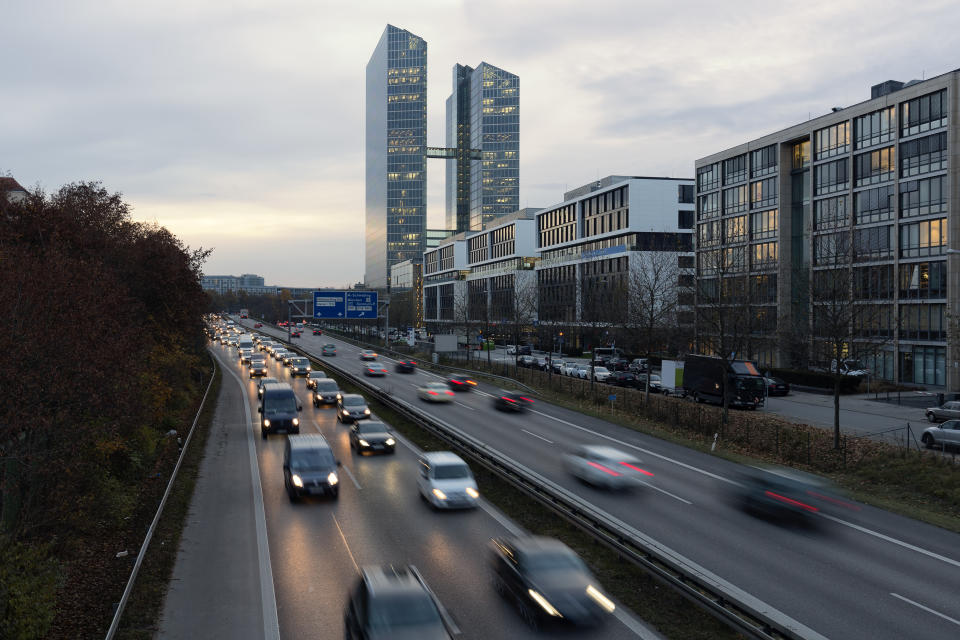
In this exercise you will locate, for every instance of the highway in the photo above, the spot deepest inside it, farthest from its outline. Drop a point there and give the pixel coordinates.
(863, 573)
(316, 546)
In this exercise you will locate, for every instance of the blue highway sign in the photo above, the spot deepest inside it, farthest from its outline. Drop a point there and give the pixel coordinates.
(361, 304)
(345, 305)
(329, 305)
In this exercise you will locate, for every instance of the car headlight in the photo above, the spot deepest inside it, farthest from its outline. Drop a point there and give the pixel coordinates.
(540, 600)
(296, 422)
(266, 422)
(601, 599)
(473, 493)
(366, 411)
(332, 478)
(297, 480)
(363, 443)
(339, 397)
(440, 494)
(391, 442)
(308, 369)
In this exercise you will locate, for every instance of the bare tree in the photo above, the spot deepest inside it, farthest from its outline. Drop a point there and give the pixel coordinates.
(517, 306)
(652, 301)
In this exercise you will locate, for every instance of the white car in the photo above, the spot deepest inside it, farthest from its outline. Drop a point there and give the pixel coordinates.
(945, 434)
(600, 374)
(569, 369)
(435, 392)
(511, 349)
(582, 372)
(445, 481)
(608, 467)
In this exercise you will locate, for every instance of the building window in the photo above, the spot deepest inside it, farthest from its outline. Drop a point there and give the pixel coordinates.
(874, 205)
(685, 193)
(923, 197)
(927, 238)
(763, 162)
(801, 154)
(925, 113)
(763, 288)
(708, 177)
(685, 262)
(923, 322)
(874, 166)
(708, 205)
(873, 283)
(921, 280)
(735, 259)
(735, 199)
(559, 225)
(873, 243)
(873, 321)
(685, 220)
(831, 248)
(708, 234)
(831, 177)
(923, 155)
(764, 256)
(830, 213)
(875, 128)
(735, 169)
(923, 365)
(735, 229)
(764, 224)
(478, 248)
(763, 193)
(832, 141)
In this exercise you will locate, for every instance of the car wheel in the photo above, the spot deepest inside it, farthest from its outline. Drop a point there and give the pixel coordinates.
(928, 440)
(263, 433)
(931, 417)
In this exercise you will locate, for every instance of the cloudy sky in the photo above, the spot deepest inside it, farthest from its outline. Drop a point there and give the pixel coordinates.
(238, 124)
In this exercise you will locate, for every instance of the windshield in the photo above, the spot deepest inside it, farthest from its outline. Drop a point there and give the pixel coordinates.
(354, 402)
(327, 386)
(750, 384)
(370, 427)
(299, 361)
(285, 403)
(451, 472)
(403, 610)
(311, 460)
(551, 561)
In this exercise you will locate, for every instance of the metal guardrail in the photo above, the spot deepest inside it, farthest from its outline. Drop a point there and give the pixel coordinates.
(727, 602)
(115, 623)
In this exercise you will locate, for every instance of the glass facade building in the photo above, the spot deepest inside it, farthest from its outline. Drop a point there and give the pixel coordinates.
(396, 141)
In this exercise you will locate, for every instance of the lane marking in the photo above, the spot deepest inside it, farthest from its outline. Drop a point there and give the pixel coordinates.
(464, 405)
(268, 596)
(906, 545)
(344, 538)
(664, 491)
(350, 473)
(927, 609)
(536, 436)
(631, 623)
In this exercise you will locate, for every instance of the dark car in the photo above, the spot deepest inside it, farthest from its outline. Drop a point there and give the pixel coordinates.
(258, 325)
(258, 368)
(325, 391)
(372, 437)
(313, 376)
(352, 407)
(395, 603)
(309, 467)
(294, 334)
(405, 366)
(318, 332)
(512, 401)
(783, 494)
(263, 382)
(777, 387)
(548, 582)
(278, 409)
(461, 382)
(623, 379)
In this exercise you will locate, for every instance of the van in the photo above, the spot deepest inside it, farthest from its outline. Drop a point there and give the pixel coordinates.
(309, 467)
(245, 342)
(278, 409)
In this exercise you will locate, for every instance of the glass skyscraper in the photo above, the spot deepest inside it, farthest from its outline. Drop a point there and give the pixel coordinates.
(396, 158)
(483, 112)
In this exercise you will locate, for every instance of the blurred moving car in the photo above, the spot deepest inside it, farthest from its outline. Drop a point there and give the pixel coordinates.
(948, 411)
(445, 481)
(777, 387)
(461, 382)
(946, 434)
(548, 582)
(309, 467)
(368, 354)
(375, 369)
(435, 392)
(405, 366)
(317, 331)
(325, 391)
(329, 350)
(512, 401)
(608, 467)
(371, 436)
(391, 603)
(786, 494)
(351, 407)
(257, 325)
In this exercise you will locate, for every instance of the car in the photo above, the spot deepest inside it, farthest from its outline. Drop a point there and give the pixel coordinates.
(445, 481)
(375, 369)
(557, 365)
(368, 354)
(461, 382)
(313, 376)
(512, 401)
(278, 353)
(623, 379)
(582, 372)
(780, 494)
(524, 350)
(945, 434)
(258, 368)
(600, 374)
(278, 409)
(372, 436)
(352, 407)
(511, 349)
(257, 325)
(288, 357)
(435, 392)
(309, 467)
(317, 331)
(394, 603)
(295, 333)
(608, 467)
(245, 355)
(405, 366)
(300, 367)
(329, 350)
(569, 368)
(526, 361)
(257, 357)
(948, 411)
(777, 387)
(264, 381)
(638, 365)
(548, 582)
(325, 391)
(656, 385)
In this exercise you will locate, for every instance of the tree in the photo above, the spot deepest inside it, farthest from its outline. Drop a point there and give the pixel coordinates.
(653, 300)
(515, 304)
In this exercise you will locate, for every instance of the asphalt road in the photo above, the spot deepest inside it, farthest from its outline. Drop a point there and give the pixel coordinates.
(862, 573)
(317, 545)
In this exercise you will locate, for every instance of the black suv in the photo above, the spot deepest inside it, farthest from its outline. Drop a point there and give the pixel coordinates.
(395, 603)
(512, 401)
(309, 467)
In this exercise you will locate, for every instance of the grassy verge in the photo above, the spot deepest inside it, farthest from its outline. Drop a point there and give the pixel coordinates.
(142, 614)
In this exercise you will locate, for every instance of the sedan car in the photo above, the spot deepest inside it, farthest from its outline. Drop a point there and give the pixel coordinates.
(461, 382)
(257, 325)
(313, 376)
(264, 381)
(548, 582)
(325, 391)
(278, 353)
(368, 354)
(405, 366)
(245, 355)
(512, 401)
(288, 357)
(623, 379)
(258, 368)
(606, 467)
(777, 387)
(949, 411)
(352, 407)
(600, 374)
(295, 334)
(299, 367)
(435, 392)
(371, 437)
(656, 385)
(329, 350)
(943, 435)
(375, 369)
(783, 494)
(317, 332)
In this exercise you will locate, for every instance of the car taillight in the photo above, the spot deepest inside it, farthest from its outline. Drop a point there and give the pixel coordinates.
(530, 400)
(596, 465)
(433, 393)
(791, 501)
(644, 472)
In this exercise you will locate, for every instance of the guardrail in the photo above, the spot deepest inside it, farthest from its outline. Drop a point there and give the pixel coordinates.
(727, 602)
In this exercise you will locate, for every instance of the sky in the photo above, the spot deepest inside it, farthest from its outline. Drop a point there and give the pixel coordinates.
(238, 125)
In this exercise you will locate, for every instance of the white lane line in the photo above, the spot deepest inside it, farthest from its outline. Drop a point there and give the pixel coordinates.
(644, 632)
(537, 436)
(344, 538)
(464, 405)
(905, 545)
(675, 497)
(927, 609)
(268, 597)
(633, 446)
(505, 522)
(350, 473)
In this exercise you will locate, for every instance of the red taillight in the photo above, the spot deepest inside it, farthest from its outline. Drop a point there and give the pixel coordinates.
(527, 399)
(644, 472)
(511, 400)
(448, 392)
(413, 363)
(433, 393)
(456, 382)
(602, 468)
(790, 501)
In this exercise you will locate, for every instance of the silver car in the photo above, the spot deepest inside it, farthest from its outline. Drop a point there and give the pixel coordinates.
(608, 467)
(942, 435)
(948, 411)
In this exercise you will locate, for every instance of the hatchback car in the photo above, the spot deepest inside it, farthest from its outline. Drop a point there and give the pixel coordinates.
(325, 391)
(435, 392)
(394, 603)
(352, 407)
(405, 366)
(371, 436)
(309, 467)
(607, 467)
(512, 401)
(258, 368)
(461, 382)
(948, 411)
(946, 434)
(300, 367)
(445, 481)
(368, 354)
(374, 369)
(329, 350)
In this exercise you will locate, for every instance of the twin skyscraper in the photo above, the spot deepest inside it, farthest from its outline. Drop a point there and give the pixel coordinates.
(482, 155)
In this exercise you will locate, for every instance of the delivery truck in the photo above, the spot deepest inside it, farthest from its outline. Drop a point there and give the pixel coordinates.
(705, 378)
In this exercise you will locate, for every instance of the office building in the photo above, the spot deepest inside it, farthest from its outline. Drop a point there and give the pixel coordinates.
(436, 236)
(866, 196)
(396, 155)
(248, 283)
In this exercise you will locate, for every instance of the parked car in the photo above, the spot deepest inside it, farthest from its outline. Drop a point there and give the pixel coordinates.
(656, 385)
(394, 602)
(607, 467)
(946, 434)
(512, 401)
(623, 379)
(582, 372)
(777, 387)
(435, 392)
(569, 368)
(511, 349)
(600, 374)
(557, 365)
(948, 411)
(639, 365)
(526, 361)
(445, 481)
